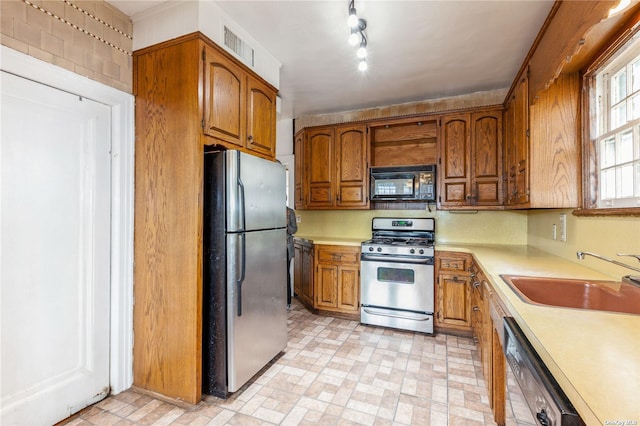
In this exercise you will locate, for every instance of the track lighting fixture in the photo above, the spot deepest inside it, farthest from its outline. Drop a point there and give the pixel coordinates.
(362, 50)
(354, 38)
(357, 36)
(352, 21)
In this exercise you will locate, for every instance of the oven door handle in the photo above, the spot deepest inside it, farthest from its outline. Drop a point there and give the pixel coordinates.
(396, 259)
(422, 317)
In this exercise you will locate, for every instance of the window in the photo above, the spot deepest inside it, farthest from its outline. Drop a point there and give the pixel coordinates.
(615, 128)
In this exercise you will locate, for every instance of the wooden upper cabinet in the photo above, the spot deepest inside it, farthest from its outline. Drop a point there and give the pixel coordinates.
(224, 99)
(542, 147)
(319, 159)
(261, 116)
(454, 160)
(520, 156)
(471, 160)
(334, 172)
(239, 109)
(352, 173)
(486, 158)
(516, 146)
(299, 176)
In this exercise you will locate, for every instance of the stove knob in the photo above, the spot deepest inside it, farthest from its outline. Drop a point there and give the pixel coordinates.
(421, 251)
(412, 251)
(379, 249)
(370, 248)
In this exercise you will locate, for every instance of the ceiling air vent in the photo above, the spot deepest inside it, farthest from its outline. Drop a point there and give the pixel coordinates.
(238, 46)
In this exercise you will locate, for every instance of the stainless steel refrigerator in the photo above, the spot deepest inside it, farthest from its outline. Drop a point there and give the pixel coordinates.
(245, 267)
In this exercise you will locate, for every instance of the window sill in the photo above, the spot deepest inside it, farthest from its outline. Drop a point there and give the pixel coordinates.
(632, 211)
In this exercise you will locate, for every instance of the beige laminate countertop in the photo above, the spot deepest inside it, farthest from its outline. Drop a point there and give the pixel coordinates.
(593, 355)
(334, 241)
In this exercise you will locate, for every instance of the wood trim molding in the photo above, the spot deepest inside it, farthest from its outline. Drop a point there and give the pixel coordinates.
(633, 211)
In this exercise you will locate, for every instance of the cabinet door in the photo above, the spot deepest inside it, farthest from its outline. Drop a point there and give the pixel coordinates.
(348, 288)
(454, 161)
(454, 300)
(298, 259)
(319, 158)
(486, 174)
(352, 172)
(224, 99)
(521, 141)
(261, 117)
(326, 286)
(299, 177)
(307, 275)
(509, 163)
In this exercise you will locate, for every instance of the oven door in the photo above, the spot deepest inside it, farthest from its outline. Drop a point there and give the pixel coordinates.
(397, 282)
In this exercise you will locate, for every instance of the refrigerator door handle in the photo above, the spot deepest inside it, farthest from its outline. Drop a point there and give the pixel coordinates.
(241, 201)
(243, 270)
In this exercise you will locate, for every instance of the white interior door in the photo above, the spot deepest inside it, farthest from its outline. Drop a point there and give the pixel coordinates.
(55, 252)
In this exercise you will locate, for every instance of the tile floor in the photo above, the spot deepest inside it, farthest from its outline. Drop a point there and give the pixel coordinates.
(333, 372)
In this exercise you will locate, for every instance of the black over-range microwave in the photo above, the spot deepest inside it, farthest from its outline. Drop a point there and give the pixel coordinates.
(403, 183)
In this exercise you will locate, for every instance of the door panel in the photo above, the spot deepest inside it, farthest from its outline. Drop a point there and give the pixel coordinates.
(319, 155)
(262, 196)
(55, 256)
(256, 309)
(224, 99)
(261, 114)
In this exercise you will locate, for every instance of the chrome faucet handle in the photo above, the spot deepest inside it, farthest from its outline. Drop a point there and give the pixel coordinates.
(637, 256)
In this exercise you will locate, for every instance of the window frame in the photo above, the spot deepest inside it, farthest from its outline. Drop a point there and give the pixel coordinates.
(590, 160)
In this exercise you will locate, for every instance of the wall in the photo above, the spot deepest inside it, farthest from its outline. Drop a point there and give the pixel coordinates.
(176, 18)
(89, 38)
(489, 227)
(605, 236)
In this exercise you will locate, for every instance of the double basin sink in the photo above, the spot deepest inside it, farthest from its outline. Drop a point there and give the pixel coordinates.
(611, 296)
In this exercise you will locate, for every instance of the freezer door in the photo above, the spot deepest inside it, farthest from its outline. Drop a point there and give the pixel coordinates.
(256, 302)
(256, 193)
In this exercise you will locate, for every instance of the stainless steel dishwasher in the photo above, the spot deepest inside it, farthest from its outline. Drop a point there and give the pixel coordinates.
(547, 402)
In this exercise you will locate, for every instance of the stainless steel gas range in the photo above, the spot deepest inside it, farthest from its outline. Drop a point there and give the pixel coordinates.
(396, 274)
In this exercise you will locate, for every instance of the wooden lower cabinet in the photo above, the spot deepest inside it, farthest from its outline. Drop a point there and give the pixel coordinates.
(337, 279)
(303, 272)
(453, 292)
(466, 304)
(487, 324)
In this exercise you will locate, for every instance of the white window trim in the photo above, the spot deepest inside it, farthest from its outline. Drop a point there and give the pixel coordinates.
(603, 119)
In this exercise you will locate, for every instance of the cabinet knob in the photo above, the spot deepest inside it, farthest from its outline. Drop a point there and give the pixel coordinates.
(250, 137)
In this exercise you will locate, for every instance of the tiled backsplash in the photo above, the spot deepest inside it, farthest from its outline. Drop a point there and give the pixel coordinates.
(90, 38)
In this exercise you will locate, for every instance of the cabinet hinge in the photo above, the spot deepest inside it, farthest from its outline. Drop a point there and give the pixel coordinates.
(202, 124)
(527, 133)
(203, 55)
(440, 161)
(439, 198)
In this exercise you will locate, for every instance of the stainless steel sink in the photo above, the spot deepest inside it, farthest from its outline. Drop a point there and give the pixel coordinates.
(612, 296)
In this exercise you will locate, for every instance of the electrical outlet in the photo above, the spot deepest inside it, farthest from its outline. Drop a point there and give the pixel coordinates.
(554, 232)
(563, 227)
(298, 218)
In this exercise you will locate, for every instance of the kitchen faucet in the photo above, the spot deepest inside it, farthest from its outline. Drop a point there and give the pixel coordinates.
(636, 279)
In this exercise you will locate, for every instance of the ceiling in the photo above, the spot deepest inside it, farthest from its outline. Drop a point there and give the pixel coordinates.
(417, 50)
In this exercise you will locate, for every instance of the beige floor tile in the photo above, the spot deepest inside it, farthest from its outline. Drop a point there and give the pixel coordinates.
(334, 372)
